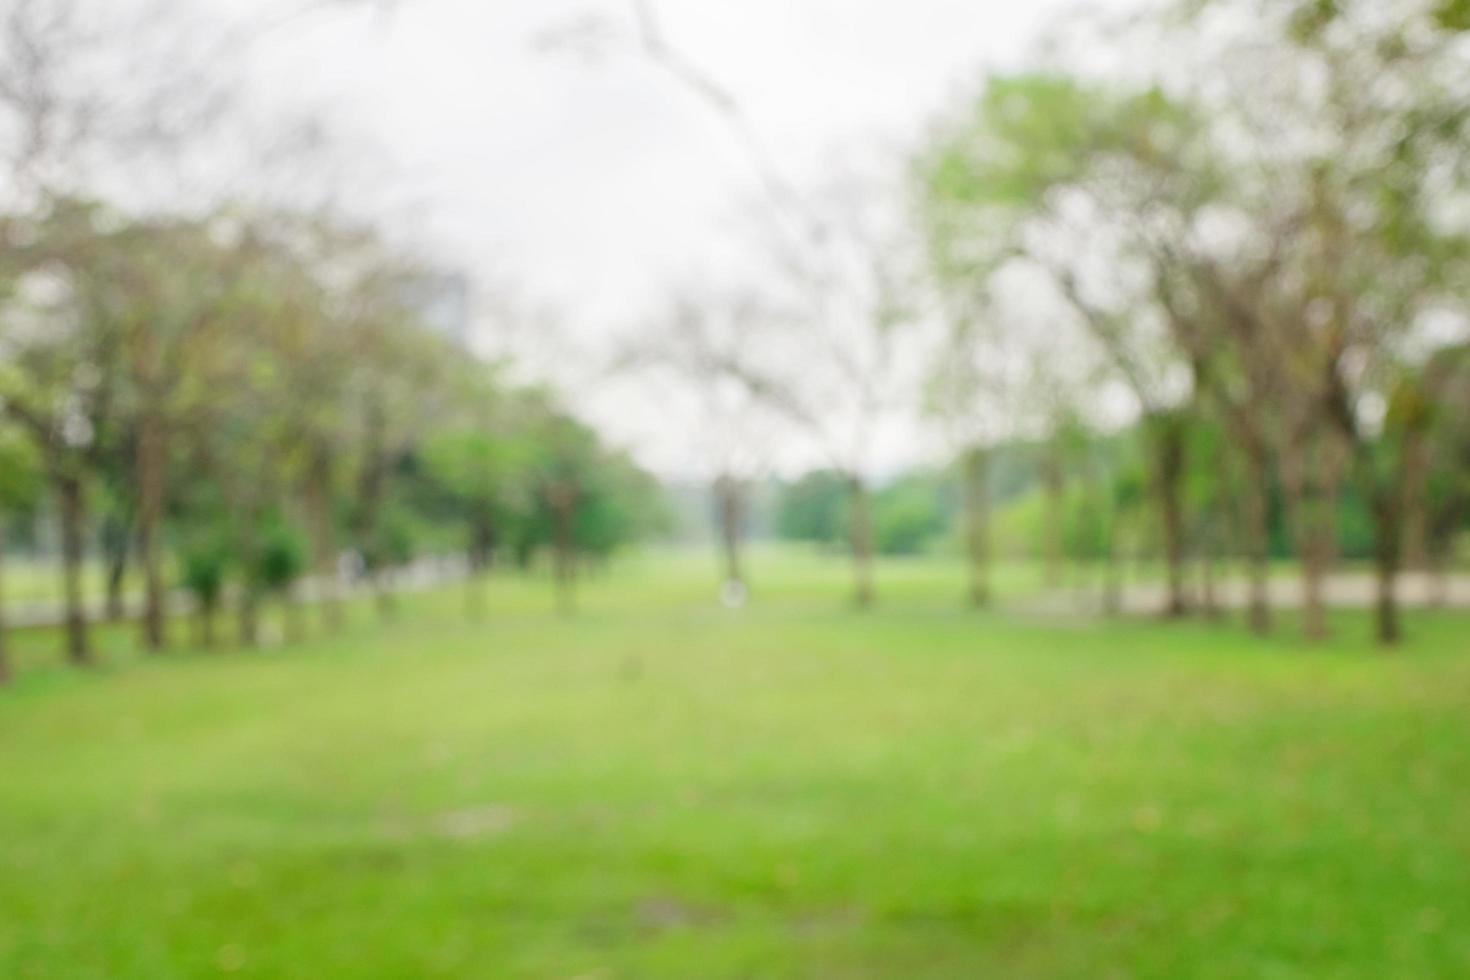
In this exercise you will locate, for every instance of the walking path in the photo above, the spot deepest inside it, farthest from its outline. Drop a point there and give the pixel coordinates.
(42, 613)
(1347, 590)
(1350, 589)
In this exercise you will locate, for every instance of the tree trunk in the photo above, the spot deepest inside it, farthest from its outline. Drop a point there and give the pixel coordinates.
(1052, 477)
(115, 550)
(291, 619)
(1334, 460)
(72, 505)
(1175, 603)
(323, 541)
(478, 557)
(1314, 573)
(1255, 507)
(1384, 492)
(732, 517)
(385, 598)
(474, 592)
(205, 618)
(1169, 463)
(977, 524)
(151, 492)
(1302, 507)
(1384, 489)
(860, 534)
(371, 483)
(562, 498)
(248, 601)
(1219, 521)
(248, 617)
(1096, 553)
(1387, 529)
(1209, 556)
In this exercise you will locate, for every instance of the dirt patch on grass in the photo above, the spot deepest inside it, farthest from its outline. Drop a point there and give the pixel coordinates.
(665, 913)
(469, 823)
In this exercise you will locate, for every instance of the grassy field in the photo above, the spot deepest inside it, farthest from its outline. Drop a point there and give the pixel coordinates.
(663, 788)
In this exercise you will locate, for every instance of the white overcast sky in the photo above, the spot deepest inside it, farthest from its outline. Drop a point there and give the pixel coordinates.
(594, 185)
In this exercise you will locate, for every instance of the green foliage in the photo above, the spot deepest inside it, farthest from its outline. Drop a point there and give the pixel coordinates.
(620, 504)
(1029, 134)
(20, 470)
(1020, 527)
(813, 508)
(475, 466)
(1453, 15)
(615, 501)
(1311, 17)
(395, 540)
(203, 566)
(1024, 136)
(280, 556)
(910, 514)
(504, 482)
(1354, 522)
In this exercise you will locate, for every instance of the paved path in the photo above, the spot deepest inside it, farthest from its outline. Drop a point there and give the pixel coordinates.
(1341, 590)
(41, 613)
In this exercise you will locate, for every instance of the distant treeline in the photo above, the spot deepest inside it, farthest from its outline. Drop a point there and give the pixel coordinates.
(921, 512)
(245, 399)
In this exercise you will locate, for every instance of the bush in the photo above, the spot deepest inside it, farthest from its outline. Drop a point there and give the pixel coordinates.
(907, 517)
(204, 565)
(281, 558)
(814, 508)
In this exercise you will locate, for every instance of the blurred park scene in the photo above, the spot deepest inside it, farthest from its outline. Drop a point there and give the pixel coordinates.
(608, 488)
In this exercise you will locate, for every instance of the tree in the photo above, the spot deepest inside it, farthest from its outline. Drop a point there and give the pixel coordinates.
(242, 431)
(705, 344)
(204, 566)
(909, 514)
(1031, 169)
(393, 399)
(171, 291)
(58, 376)
(844, 369)
(471, 460)
(560, 473)
(318, 350)
(1446, 486)
(280, 560)
(971, 383)
(812, 508)
(1369, 257)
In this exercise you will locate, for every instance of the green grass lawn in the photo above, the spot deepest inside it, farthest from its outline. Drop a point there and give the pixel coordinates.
(663, 788)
